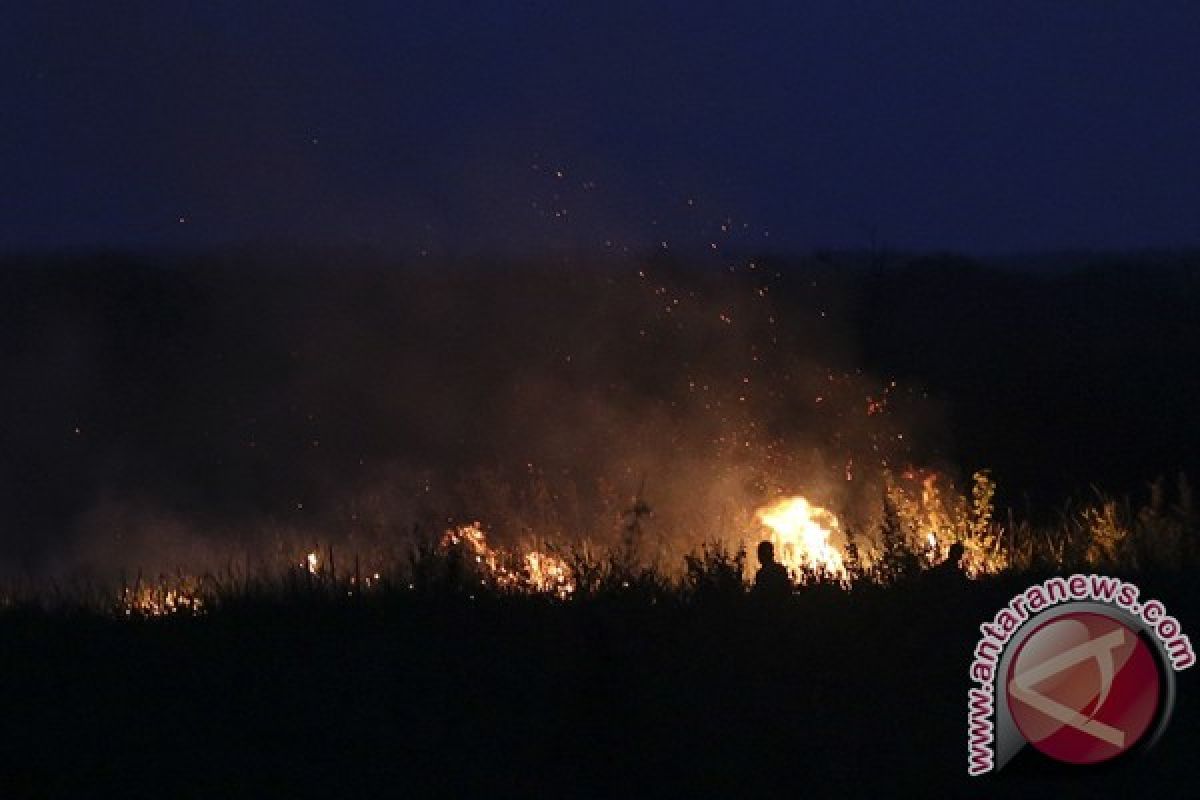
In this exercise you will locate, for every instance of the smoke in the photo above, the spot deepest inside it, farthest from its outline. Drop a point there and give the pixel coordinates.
(243, 408)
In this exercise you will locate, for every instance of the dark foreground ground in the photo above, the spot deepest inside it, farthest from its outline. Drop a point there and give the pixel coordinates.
(829, 695)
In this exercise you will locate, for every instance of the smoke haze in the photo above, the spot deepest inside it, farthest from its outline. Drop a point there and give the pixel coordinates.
(193, 413)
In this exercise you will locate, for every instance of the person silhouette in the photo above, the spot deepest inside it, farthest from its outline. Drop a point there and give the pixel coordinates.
(950, 572)
(772, 579)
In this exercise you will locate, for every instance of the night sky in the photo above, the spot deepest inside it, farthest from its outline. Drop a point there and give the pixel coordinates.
(460, 128)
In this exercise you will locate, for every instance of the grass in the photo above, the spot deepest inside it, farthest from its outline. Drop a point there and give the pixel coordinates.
(433, 681)
(1161, 534)
(302, 691)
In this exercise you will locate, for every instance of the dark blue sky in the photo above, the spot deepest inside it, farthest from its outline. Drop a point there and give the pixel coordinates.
(981, 127)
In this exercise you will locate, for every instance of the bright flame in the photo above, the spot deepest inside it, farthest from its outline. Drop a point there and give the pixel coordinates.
(800, 532)
(531, 571)
(313, 563)
(548, 573)
(935, 516)
(179, 596)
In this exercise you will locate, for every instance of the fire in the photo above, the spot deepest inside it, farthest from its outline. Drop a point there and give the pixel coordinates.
(928, 515)
(801, 534)
(549, 574)
(937, 516)
(181, 595)
(533, 571)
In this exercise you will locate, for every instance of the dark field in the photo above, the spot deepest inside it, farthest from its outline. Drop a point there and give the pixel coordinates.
(829, 694)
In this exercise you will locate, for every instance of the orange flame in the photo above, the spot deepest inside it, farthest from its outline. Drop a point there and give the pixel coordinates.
(801, 534)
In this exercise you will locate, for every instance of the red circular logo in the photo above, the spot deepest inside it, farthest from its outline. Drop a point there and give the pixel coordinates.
(1083, 688)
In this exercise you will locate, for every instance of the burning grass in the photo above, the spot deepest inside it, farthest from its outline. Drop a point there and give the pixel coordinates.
(596, 655)
(920, 517)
